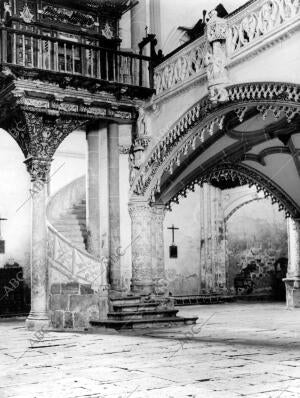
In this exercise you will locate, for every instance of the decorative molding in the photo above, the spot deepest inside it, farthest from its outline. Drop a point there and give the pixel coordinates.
(26, 14)
(181, 67)
(38, 168)
(259, 19)
(67, 16)
(260, 157)
(167, 153)
(249, 31)
(107, 32)
(245, 176)
(216, 58)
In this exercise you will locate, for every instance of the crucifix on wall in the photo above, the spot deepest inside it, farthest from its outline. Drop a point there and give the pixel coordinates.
(173, 249)
(2, 242)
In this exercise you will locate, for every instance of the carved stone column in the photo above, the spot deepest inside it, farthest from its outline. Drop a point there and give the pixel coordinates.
(292, 281)
(141, 247)
(38, 317)
(158, 258)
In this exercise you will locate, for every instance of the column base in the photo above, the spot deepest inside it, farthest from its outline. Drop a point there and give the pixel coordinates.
(143, 288)
(37, 321)
(292, 286)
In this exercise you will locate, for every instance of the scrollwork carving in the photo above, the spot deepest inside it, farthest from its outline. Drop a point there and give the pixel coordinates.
(258, 22)
(38, 168)
(180, 68)
(216, 59)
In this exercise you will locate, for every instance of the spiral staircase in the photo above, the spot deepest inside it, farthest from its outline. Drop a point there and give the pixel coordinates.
(79, 292)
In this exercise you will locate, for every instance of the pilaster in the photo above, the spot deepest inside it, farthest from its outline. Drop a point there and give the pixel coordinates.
(97, 191)
(141, 246)
(292, 281)
(158, 260)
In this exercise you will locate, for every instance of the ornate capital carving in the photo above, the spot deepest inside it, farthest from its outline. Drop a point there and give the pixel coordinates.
(38, 168)
(47, 133)
(138, 209)
(216, 59)
(158, 213)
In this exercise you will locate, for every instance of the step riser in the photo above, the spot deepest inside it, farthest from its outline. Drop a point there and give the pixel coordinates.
(134, 309)
(123, 317)
(150, 324)
(124, 302)
(72, 234)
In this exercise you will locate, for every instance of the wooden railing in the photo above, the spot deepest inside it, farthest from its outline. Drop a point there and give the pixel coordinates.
(31, 50)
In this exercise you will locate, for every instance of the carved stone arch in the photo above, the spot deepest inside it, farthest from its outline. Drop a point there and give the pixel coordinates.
(262, 97)
(39, 134)
(244, 175)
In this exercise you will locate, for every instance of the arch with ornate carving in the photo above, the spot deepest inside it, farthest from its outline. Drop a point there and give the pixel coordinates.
(260, 120)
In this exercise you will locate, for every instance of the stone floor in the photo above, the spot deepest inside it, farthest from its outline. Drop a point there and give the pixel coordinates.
(235, 350)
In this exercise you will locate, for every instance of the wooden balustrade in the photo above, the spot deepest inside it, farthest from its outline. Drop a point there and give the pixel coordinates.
(31, 50)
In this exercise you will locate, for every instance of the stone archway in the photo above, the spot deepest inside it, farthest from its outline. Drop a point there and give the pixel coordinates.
(250, 139)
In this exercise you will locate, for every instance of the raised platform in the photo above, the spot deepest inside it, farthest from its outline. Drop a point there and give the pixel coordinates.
(205, 299)
(136, 312)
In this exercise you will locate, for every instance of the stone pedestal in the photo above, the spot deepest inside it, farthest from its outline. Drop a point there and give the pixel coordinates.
(292, 281)
(141, 247)
(38, 317)
(114, 206)
(158, 260)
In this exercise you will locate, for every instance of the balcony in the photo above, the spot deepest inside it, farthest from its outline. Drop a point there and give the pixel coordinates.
(69, 63)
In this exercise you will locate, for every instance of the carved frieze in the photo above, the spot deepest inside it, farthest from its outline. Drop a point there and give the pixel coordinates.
(67, 16)
(92, 110)
(262, 18)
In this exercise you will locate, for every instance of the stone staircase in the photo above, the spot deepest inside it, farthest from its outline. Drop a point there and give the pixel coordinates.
(72, 225)
(67, 216)
(137, 312)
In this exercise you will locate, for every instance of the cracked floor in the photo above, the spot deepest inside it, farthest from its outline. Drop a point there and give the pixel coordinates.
(235, 350)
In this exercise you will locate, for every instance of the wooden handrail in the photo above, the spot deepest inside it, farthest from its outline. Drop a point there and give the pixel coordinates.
(85, 45)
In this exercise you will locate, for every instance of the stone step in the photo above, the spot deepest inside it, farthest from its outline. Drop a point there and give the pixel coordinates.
(76, 233)
(70, 217)
(78, 210)
(144, 323)
(128, 316)
(126, 300)
(135, 307)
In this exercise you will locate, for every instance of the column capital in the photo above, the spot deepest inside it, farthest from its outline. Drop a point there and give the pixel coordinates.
(38, 168)
(158, 212)
(137, 207)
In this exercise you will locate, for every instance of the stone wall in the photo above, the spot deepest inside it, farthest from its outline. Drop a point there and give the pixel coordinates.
(256, 237)
(73, 305)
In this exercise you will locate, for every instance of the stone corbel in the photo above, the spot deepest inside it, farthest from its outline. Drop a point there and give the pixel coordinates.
(216, 58)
